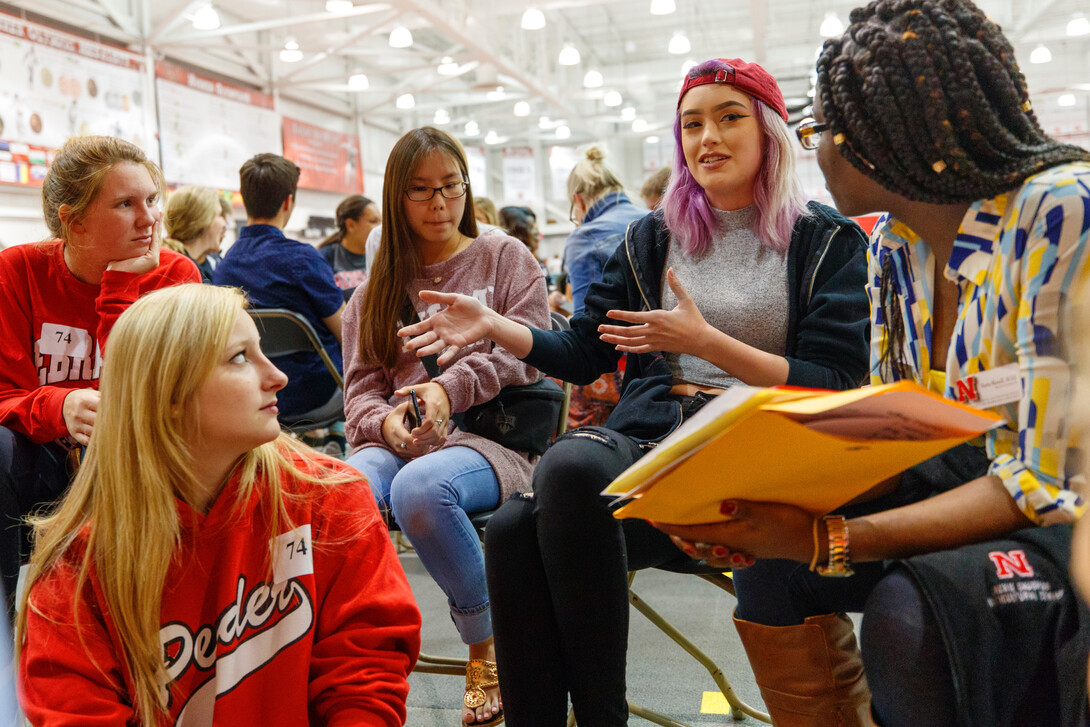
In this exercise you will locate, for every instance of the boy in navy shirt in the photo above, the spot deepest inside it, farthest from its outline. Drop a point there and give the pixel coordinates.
(277, 272)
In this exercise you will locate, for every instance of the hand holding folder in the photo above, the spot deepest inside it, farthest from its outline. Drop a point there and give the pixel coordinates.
(811, 448)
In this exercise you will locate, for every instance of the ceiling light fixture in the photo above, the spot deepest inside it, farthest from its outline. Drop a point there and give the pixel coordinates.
(1041, 54)
(563, 132)
(358, 82)
(679, 44)
(405, 101)
(533, 19)
(401, 37)
(206, 18)
(291, 52)
(832, 26)
(628, 113)
(522, 108)
(639, 125)
(472, 129)
(339, 6)
(544, 122)
(497, 95)
(592, 79)
(612, 98)
(652, 140)
(1078, 26)
(662, 7)
(447, 67)
(1067, 99)
(569, 56)
(442, 116)
(492, 137)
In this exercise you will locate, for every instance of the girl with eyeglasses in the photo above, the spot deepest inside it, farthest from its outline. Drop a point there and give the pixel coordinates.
(969, 617)
(428, 476)
(736, 280)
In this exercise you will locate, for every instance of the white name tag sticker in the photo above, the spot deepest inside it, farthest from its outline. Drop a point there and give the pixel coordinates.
(994, 387)
(292, 554)
(58, 340)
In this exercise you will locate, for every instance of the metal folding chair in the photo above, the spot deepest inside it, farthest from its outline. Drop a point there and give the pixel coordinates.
(284, 332)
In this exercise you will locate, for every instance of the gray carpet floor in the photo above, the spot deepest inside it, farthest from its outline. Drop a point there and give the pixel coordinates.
(661, 676)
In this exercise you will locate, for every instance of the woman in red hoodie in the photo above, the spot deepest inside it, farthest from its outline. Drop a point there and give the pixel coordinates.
(203, 569)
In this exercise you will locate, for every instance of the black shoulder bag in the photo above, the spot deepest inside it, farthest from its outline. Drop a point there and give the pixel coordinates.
(522, 418)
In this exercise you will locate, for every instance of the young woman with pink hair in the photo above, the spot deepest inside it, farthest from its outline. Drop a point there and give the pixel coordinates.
(735, 280)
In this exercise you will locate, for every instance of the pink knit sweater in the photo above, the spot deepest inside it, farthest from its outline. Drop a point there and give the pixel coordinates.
(499, 271)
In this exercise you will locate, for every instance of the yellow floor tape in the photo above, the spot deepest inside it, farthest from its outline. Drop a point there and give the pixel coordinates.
(714, 703)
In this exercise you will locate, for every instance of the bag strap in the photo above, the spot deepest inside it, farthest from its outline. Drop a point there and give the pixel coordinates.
(431, 361)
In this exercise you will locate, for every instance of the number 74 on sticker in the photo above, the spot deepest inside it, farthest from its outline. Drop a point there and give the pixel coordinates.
(292, 554)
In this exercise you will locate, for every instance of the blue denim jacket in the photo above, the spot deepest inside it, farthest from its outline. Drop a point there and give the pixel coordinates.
(594, 240)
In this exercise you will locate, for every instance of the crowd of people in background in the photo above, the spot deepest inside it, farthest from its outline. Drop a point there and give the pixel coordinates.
(191, 562)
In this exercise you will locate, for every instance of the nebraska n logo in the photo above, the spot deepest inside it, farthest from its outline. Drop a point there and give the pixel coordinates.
(1011, 563)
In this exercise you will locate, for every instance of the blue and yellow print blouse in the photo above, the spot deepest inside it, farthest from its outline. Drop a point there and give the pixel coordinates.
(1017, 259)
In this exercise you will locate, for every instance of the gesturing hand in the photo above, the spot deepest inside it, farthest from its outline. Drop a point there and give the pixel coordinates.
(463, 322)
(79, 410)
(140, 264)
(753, 530)
(681, 330)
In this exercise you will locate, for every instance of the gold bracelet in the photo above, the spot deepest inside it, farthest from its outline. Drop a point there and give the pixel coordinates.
(840, 562)
(814, 560)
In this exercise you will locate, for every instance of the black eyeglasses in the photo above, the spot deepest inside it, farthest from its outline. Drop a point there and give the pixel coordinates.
(809, 133)
(421, 193)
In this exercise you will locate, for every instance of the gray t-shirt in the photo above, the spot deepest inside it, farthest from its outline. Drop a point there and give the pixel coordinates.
(740, 287)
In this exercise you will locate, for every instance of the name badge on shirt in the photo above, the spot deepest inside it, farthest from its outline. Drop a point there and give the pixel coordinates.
(292, 554)
(991, 388)
(58, 340)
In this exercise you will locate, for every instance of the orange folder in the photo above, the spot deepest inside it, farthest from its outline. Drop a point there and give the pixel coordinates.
(811, 448)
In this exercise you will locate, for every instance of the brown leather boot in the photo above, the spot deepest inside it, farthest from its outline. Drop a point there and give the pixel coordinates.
(810, 675)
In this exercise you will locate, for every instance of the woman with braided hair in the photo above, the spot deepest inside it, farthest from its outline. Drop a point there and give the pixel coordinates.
(960, 564)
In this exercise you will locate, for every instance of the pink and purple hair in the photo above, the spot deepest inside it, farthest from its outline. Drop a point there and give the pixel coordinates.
(777, 192)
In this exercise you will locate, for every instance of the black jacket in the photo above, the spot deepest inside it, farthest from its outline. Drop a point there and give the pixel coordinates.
(827, 331)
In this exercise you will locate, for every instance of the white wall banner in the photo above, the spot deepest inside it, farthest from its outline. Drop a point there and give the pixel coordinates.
(518, 176)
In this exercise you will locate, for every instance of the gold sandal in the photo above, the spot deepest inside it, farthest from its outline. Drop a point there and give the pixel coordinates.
(480, 675)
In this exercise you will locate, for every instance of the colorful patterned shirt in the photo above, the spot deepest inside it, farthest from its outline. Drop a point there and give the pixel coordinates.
(1017, 259)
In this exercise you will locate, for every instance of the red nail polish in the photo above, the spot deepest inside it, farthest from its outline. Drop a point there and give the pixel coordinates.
(688, 550)
(720, 552)
(738, 559)
(728, 507)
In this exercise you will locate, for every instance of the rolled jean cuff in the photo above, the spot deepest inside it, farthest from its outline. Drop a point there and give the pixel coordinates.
(474, 625)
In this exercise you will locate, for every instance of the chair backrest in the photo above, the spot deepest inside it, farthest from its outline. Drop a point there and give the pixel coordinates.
(285, 332)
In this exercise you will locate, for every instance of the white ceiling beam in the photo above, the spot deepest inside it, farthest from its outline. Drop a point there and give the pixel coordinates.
(441, 23)
(414, 89)
(122, 18)
(288, 21)
(252, 61)
(333, 49)
(1040, 9)
(168, 21)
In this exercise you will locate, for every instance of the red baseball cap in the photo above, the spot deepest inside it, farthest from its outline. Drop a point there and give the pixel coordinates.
(748, 78)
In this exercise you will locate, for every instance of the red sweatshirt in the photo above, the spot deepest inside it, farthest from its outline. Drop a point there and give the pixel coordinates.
(328, 639)
(53, 328)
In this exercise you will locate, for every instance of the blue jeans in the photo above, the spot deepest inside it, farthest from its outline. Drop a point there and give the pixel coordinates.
(430, 497)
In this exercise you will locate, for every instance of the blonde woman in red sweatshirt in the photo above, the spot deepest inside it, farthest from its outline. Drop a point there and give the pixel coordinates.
(203, 569)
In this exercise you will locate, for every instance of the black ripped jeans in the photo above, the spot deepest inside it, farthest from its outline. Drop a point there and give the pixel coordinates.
(556, 564)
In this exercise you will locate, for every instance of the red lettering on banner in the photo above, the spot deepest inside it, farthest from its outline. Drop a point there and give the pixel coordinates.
(1010, 564)
(967, 390)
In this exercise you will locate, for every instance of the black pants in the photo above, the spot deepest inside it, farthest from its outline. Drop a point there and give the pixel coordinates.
(556, 564)
(31, 476)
